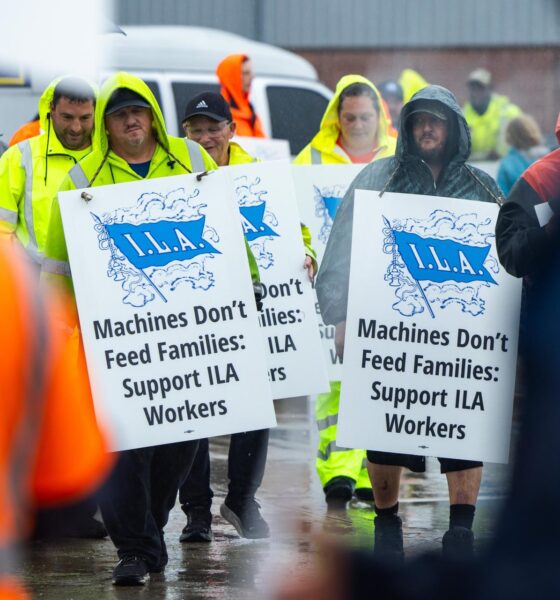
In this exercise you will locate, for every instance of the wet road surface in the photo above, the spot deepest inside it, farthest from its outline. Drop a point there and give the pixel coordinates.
(292, 502)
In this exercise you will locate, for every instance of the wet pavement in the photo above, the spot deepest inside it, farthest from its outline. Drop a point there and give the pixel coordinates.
(292, 502)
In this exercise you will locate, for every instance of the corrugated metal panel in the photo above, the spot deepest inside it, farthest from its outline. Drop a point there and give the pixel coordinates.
(362, 23)
(237, 17)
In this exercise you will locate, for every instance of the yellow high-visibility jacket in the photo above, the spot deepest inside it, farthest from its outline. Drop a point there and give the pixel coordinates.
(31, 173)
(488, 130)
(323, 148)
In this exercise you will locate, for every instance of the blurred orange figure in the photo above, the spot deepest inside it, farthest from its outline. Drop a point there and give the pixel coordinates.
(26, 131)
(235, 73)
(51, 449)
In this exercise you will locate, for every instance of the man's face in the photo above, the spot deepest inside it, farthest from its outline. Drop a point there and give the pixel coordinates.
(479, 95)
(72, 122)
(130, 127)
(213, 136)
(358, 121)
(429, 134)
(246, 76)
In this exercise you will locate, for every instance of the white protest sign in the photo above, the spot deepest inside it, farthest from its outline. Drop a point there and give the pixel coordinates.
(167, 310)
(431, 335)
(319, 192)
(272, 228)
(264, 148)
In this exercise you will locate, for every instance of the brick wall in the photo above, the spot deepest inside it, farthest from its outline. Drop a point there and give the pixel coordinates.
(530, 77)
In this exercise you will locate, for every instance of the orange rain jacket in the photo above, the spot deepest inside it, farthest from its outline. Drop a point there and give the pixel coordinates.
(244, 115)
(51, 449)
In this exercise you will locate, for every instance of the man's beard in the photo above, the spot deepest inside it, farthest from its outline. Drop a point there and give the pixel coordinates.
(432, 157)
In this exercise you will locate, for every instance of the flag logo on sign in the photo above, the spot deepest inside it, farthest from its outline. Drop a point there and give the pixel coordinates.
(257, 220)
(157, 245)
(438, 262)
(327, 202)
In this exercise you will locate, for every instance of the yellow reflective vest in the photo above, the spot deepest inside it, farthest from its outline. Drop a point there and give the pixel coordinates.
(323, 148)
(488, 130)
(31, 173)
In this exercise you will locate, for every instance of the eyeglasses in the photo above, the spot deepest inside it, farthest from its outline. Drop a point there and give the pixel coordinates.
(212, 131)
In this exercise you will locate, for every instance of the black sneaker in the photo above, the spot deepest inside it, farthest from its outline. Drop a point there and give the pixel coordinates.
(339, 490)
(246, 518)
(389, 538)
(199, 525)
(458, 543)
(131, 570)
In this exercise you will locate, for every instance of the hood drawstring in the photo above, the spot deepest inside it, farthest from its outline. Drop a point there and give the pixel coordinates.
(389, 181)
(90, 183)
(47, 148)
(499, 201)
(173, 158)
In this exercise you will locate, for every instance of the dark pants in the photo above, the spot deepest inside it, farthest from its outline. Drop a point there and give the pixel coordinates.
(139, 496)
(246, 463)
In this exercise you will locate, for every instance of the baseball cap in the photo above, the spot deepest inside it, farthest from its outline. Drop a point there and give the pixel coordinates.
(480, 76)
(125, 97)
(431, 107)
(390, 88)
(208, 104)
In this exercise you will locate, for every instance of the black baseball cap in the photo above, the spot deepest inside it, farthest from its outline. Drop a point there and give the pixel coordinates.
(432, 107)
(208, 104)
(125, 97)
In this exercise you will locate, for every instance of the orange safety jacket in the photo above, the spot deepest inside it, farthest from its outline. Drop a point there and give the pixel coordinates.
(246, 120)
(51, 449)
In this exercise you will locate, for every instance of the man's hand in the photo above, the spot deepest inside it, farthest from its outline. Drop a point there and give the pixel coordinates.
(340, 332)
(308, 266)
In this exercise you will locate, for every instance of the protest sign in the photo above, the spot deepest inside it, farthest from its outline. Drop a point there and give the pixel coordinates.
(167, 309)
(264, 148)
(272, 228)
(319, 192)
(432, 329)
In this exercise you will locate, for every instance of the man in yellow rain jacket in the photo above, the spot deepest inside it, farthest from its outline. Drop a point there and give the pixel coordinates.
(208, 121)
(354, 129)
(131, 144)
(487, 115)
(31, 171)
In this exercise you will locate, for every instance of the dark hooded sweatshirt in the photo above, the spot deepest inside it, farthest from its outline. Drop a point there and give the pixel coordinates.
(403, 173)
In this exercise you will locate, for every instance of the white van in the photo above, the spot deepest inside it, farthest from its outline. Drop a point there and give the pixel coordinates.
(178, 62)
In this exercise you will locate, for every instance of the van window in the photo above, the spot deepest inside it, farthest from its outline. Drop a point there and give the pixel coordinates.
(154, 88)
(183, 91)
(295, 114)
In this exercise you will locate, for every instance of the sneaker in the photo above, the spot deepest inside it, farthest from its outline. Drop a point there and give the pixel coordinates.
(198, 527)
(389, 538)
(246, 518)
(339, 490)
(364, 494)
(131, 570)
(88, 528)
(458, 543)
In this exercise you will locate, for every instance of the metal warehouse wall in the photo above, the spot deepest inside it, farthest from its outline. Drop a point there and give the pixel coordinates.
(362, 23)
